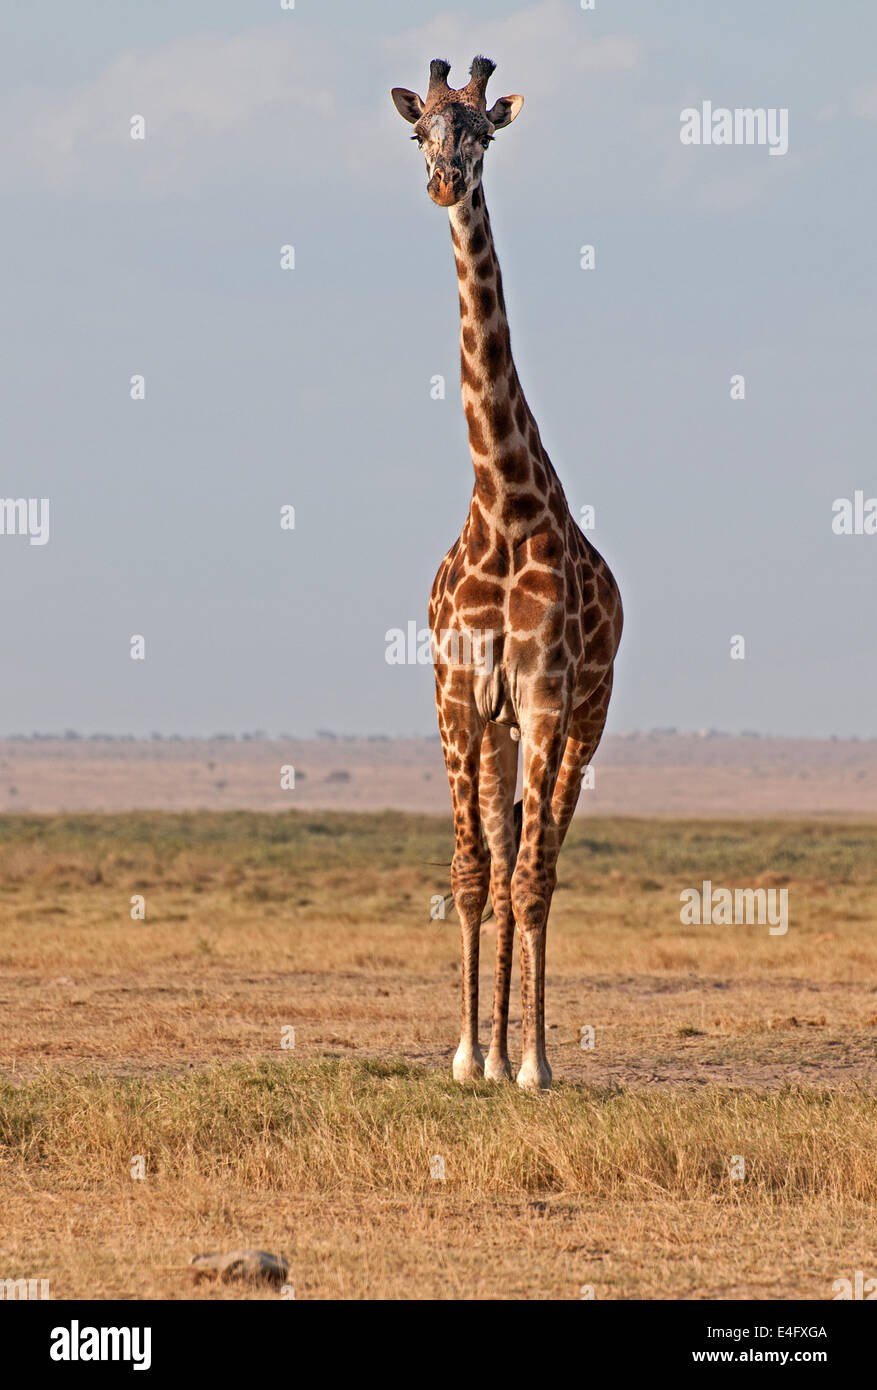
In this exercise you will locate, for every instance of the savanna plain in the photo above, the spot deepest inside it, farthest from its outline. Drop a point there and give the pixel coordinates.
(272, 1040)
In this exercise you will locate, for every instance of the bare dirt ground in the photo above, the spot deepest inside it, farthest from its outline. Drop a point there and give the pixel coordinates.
(651, 1030)
(650, 775)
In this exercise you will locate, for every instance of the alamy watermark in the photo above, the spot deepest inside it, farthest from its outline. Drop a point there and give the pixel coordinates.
(744, 125)
(746, 907)
(23, 1290)
(76, 1343)
(854, 516)
(858, 1288)
(25, 516)
(413, 646)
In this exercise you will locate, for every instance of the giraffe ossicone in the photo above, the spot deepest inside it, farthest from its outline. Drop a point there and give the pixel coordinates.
(523, 571)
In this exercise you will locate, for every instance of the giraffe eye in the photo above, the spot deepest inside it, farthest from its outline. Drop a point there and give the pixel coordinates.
(419, 139)
(485, 141)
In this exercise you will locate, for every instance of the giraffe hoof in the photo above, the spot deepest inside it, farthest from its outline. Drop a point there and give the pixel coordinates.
(468, 1066)
(534, 1076)
(497, 1069)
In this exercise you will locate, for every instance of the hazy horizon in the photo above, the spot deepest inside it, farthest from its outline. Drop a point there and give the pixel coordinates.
(343, 735)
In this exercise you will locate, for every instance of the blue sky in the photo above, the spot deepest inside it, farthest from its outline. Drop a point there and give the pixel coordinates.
(312, 386)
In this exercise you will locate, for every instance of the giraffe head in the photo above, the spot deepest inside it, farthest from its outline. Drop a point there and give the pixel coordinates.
(454, 128)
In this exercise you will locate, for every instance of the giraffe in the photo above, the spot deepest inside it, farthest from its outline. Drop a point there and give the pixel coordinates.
(522, 574)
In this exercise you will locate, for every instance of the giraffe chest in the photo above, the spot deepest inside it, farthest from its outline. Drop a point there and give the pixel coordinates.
(513, 590)
(508, 619)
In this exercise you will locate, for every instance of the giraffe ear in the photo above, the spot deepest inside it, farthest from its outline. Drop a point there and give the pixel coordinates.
(408, 104)
(503, 112)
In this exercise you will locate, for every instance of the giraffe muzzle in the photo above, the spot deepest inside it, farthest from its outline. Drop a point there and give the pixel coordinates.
(446, 189)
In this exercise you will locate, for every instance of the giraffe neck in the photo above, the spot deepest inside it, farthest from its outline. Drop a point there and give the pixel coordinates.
(514, 480)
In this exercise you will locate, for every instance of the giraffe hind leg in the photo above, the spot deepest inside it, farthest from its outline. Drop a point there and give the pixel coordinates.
(544, 738)
(499, 767)
(518, 820)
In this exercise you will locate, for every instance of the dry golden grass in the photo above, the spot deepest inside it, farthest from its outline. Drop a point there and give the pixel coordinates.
(164, 1038)
(332, 1164)
(372, 1126)
(135, 1242)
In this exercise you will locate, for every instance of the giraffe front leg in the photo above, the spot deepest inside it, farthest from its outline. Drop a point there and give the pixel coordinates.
(469, 876)
(532, 889)
(470, 869)
(585, 731)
